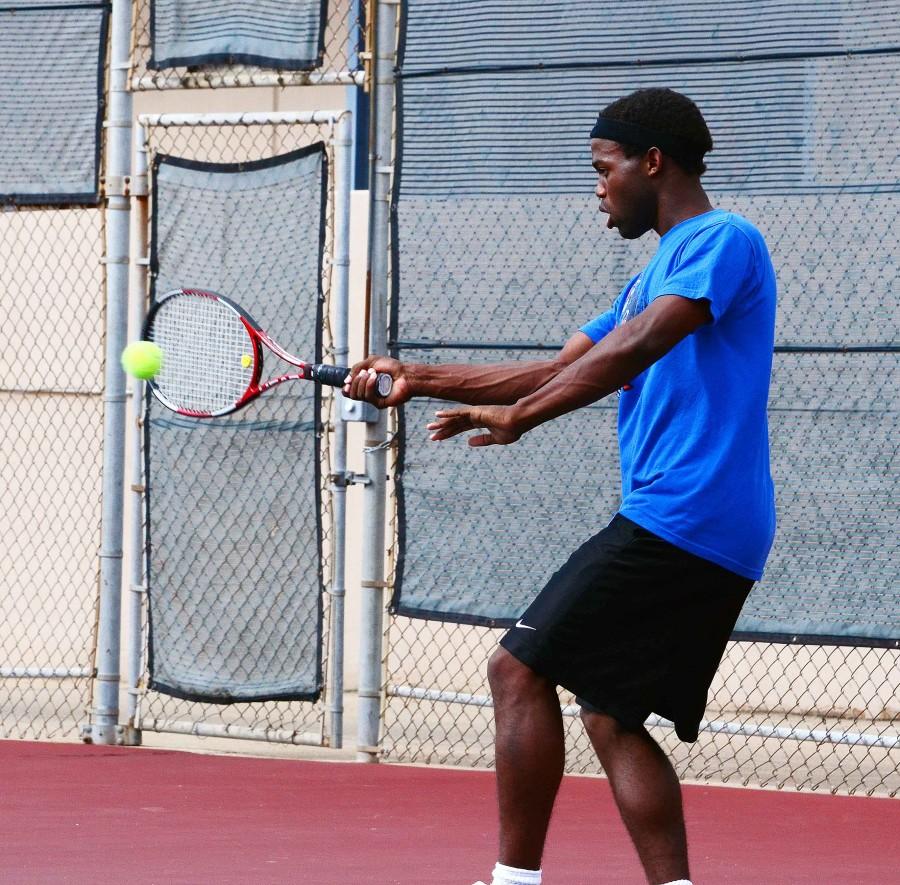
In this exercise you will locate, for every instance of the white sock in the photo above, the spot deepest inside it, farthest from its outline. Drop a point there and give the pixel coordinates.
(678, 882)
(504, 875)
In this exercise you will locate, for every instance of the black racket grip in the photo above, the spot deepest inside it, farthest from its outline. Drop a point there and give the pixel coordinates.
(334, 377)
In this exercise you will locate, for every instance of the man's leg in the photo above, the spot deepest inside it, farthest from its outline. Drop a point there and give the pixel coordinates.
(647, 793)
(530, 754)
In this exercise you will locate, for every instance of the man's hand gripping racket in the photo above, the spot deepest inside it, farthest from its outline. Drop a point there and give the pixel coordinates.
(497, 421)
(213, 356)
(363, 382)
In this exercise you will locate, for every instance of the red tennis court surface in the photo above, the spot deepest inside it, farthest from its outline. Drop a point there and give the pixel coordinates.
(72, 813)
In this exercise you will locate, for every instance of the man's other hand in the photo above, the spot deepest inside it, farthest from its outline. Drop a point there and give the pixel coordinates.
(498, 422)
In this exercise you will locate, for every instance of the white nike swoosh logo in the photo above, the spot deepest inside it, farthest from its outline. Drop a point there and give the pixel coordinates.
(522, 626)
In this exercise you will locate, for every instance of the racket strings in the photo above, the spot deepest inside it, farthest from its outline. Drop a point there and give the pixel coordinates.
(207, 353)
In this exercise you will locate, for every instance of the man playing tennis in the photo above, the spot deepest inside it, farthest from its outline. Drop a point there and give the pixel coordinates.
(637, 620)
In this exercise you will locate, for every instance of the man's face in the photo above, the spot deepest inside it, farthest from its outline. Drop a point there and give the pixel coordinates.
(624, 189)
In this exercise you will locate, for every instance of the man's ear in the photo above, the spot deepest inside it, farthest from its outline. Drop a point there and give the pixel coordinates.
(653, 161)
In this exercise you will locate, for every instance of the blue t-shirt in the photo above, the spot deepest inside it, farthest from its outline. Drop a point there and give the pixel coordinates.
(693, 430)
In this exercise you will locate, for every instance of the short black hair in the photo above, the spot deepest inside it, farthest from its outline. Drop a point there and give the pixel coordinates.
(666, 111)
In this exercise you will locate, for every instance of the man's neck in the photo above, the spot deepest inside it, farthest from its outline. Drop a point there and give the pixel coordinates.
(679, 205)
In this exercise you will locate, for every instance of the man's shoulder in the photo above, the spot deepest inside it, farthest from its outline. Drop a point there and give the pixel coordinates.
(733, 222)
(742, 223)
(721, 220)
(725, 232)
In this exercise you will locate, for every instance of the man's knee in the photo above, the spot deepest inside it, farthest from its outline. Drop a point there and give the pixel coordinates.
(604, 729)
(509, 677)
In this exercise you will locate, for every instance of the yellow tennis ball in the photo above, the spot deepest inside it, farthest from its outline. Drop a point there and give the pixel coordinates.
(246, 360)
(142, 359)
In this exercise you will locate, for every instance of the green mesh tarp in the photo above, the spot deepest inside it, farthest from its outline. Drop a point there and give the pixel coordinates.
(52, 58)
(499, 254)
(285, 34)
(235, 542)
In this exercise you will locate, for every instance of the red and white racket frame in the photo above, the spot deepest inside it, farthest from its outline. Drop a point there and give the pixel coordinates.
(320, 373)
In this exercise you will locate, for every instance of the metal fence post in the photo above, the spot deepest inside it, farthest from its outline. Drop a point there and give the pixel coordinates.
(132, 622)
(105, 710)
(343, 171)
(372, 568)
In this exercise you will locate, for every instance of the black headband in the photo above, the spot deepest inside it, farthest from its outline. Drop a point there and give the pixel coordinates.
(642, 137)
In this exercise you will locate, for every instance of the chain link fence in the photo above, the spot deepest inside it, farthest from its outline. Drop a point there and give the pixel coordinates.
(798, 716)
(51, 426)
(340, 61)
(272, 543)
(52, 361)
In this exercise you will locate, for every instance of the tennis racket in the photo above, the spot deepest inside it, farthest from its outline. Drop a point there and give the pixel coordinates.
(213, 356)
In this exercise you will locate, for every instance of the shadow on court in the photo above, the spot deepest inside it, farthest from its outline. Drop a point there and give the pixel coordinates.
(77, 814)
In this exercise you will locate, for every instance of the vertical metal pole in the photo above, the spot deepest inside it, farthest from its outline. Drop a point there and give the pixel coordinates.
(372, 566)
(105, 711)
(132, 623)
(341, 282)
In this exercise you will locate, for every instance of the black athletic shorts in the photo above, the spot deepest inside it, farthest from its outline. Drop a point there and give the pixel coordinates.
(632, 625)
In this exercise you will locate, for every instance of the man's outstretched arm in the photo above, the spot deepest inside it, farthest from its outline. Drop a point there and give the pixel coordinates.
(610, 364)
(496, 384)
